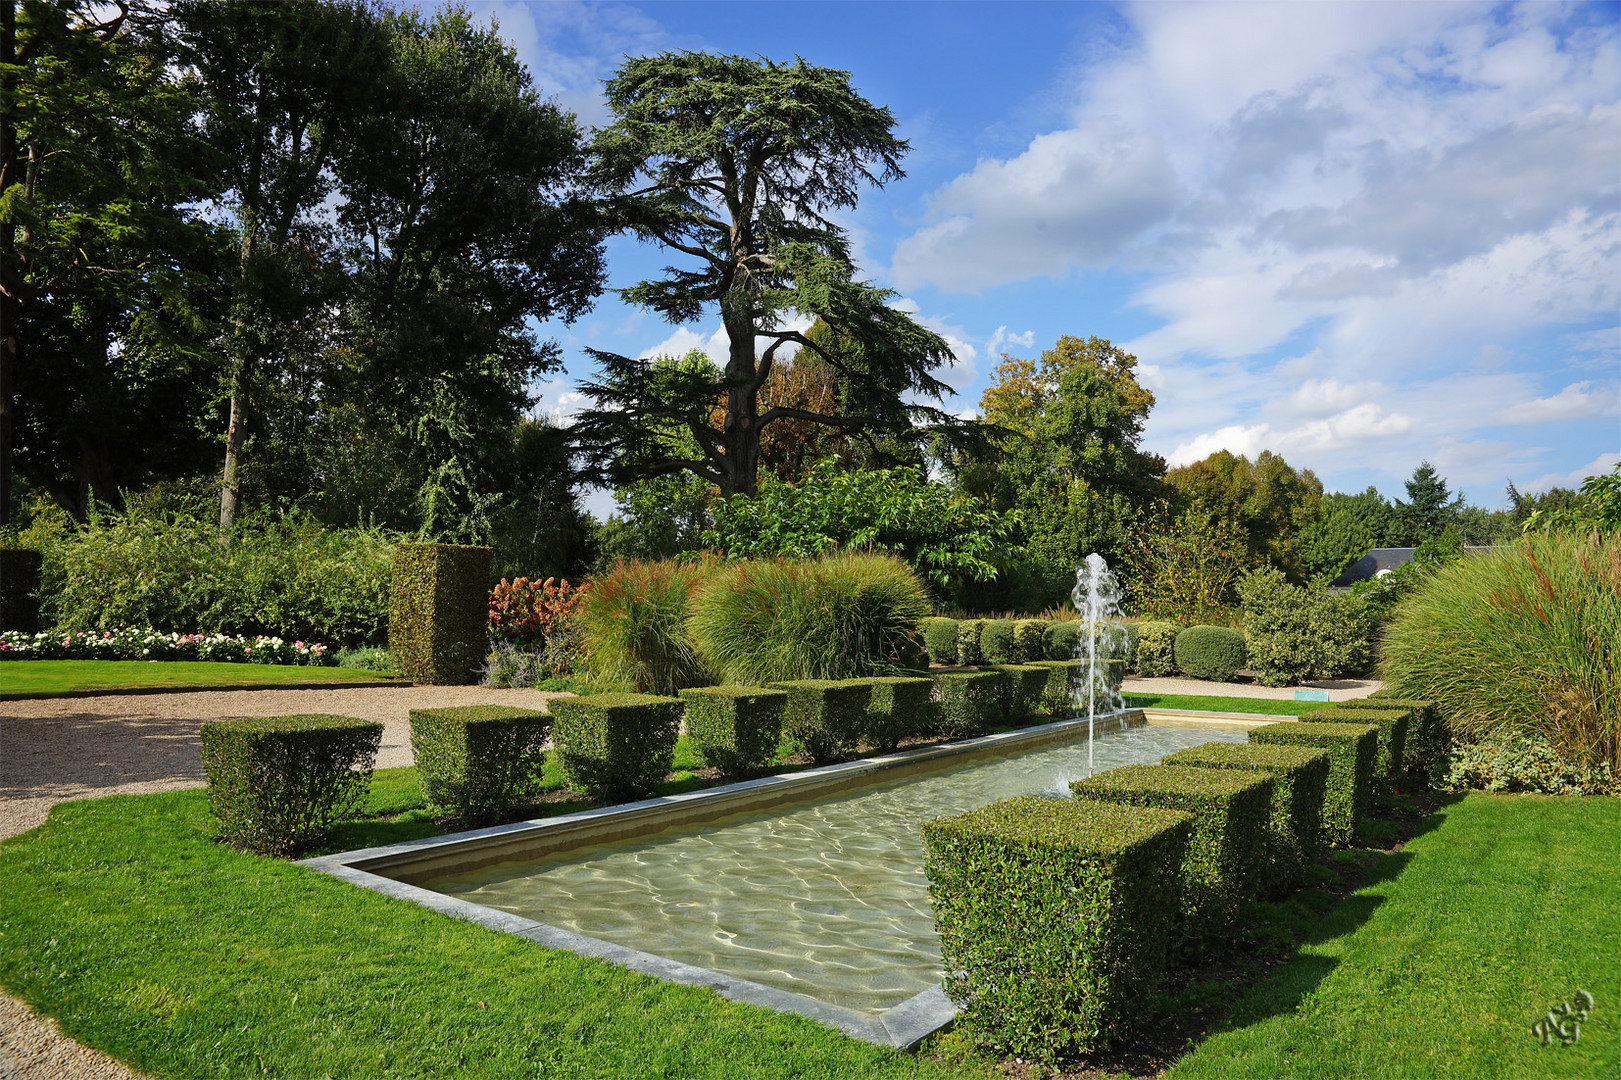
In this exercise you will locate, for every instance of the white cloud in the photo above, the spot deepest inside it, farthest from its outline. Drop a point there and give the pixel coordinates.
(1002, 338)
(1599, 466)
(558, 403)
(1577, 401)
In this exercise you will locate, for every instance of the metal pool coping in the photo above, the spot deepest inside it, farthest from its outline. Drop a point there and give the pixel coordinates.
(394, 869)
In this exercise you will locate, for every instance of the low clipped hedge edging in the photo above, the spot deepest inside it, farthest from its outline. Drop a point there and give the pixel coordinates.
(1351, 748)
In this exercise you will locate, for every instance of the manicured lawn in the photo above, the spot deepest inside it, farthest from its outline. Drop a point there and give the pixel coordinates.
(1269, 706)
(1440, 965)
(48, 678)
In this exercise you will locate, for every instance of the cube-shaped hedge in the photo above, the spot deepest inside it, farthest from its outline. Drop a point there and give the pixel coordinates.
(940, 639)
(734, 728)
(277, 783)
(826, 716)
(615, 747)
(899, 709)
(1027, 640)
(996, 641)
(1351, 749)
(438, 612)
(1300, 783)
(966, 703)
(1023, 691)
(479, 761)
(1227, 852)
(969, 632)
(1390, 757)
(1053, 917)
(1427, 737)
(1066, 686)
(19, 589)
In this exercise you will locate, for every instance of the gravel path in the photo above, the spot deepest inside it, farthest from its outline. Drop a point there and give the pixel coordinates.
(79, 748)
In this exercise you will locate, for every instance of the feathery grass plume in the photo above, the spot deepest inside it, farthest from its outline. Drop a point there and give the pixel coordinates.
(1521, 641)
(634, 618)
(843, 616)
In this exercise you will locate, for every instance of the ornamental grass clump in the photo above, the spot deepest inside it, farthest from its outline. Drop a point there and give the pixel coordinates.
(615, 747)
(1300, 783)
(845, 616)
(1227, 852)
(734, 728)
(277, 783)
(1209, 652)
(1053, 916)
(477, 762)
(634, 620)
(1351, 749)
(1532, 645)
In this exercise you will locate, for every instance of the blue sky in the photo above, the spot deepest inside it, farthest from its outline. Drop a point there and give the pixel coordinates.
(1359, 235)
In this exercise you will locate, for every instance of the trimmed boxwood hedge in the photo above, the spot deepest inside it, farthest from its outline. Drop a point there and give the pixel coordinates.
(615, 747)
(1066, 688)
(438, 612)
(899, 709)
(1059, 640)
(19, 589)
(277, 783)
(479, 761)
(1027, 640)
(1427, 737)
(1052, 918)
(996, 641)
(1209, 652)
(1227, 853)
(734, 728)
(1300, 783)
(1154, 654)
(1389, 758)
(966, 703)
(1351, 750)
(826, 716)
(969, 651)
(1023, 690)
(940, 639)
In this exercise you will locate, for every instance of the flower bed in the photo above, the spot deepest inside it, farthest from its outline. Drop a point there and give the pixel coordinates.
(151, 645)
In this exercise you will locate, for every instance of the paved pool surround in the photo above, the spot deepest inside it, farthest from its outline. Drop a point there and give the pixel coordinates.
(400, 870)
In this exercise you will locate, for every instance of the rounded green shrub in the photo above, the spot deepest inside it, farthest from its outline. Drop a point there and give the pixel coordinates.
(1522, 641)
(940, 639)
(996, 641)
(844, 616)
(1027, 640)
(1060, 640)
(635, 623)
(1210, 652)
(969, 651)
(1155, 652)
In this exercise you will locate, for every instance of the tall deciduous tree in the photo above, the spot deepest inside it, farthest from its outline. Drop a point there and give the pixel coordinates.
(1267, 500)
(735, 165)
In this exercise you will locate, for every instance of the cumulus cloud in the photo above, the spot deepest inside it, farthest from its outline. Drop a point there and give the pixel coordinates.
(1599, 466)
(1001, 339)
(558, 402)
(1577, 401)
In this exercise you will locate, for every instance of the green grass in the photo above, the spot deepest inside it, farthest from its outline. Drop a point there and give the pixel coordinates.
(126, 921)
(50, 678)
(1269, 706)
(1440, 964)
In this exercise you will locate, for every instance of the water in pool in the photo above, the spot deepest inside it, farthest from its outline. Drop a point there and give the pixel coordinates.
(826, 899)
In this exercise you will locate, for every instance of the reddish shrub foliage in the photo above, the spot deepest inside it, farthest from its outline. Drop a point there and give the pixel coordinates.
(532, 611)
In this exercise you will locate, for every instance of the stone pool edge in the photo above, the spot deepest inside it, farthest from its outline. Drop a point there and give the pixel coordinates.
(901, 1027)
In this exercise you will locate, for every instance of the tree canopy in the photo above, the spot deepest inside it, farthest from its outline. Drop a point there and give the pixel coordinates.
(735, 165)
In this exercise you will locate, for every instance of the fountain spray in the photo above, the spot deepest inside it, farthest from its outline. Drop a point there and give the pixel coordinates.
(1097, 598)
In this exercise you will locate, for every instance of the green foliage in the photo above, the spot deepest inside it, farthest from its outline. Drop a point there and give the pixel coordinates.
(277, 784)
(1060, 640)
(477, 762)
(733, 728)
(826, 716)
(1026, 689)
(966, 703)
(940, 639)
(1532, 645)
(899, 709)
(969, 651)
(1383, 595)
(1430, 508)
(1300, 785)
(438, 611)
(1297, 634)
(19, 588)
(363, 658)
(1155, 654)
(1596, 508)
(1347, 528)
(1427, 737)
(634, 618)
(1351, 749)
(1209, 652)
(1267, 502)
(843, 616)
(1394, 724)
(1522, 763)
(1052, 918)
(1066, 693)
(1029, 641)
(996, 641)
(1183, 569)
(168, 569)
(615, 747)
(1227, 852)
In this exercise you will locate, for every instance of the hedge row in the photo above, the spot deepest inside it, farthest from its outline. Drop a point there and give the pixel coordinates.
(973, 642)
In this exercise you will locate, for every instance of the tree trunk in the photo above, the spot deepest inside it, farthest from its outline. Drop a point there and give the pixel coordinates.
(742, 430)
(231, 485)
(9, 305)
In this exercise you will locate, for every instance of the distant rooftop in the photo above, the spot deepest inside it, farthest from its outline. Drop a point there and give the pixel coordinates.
(1381, 561)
